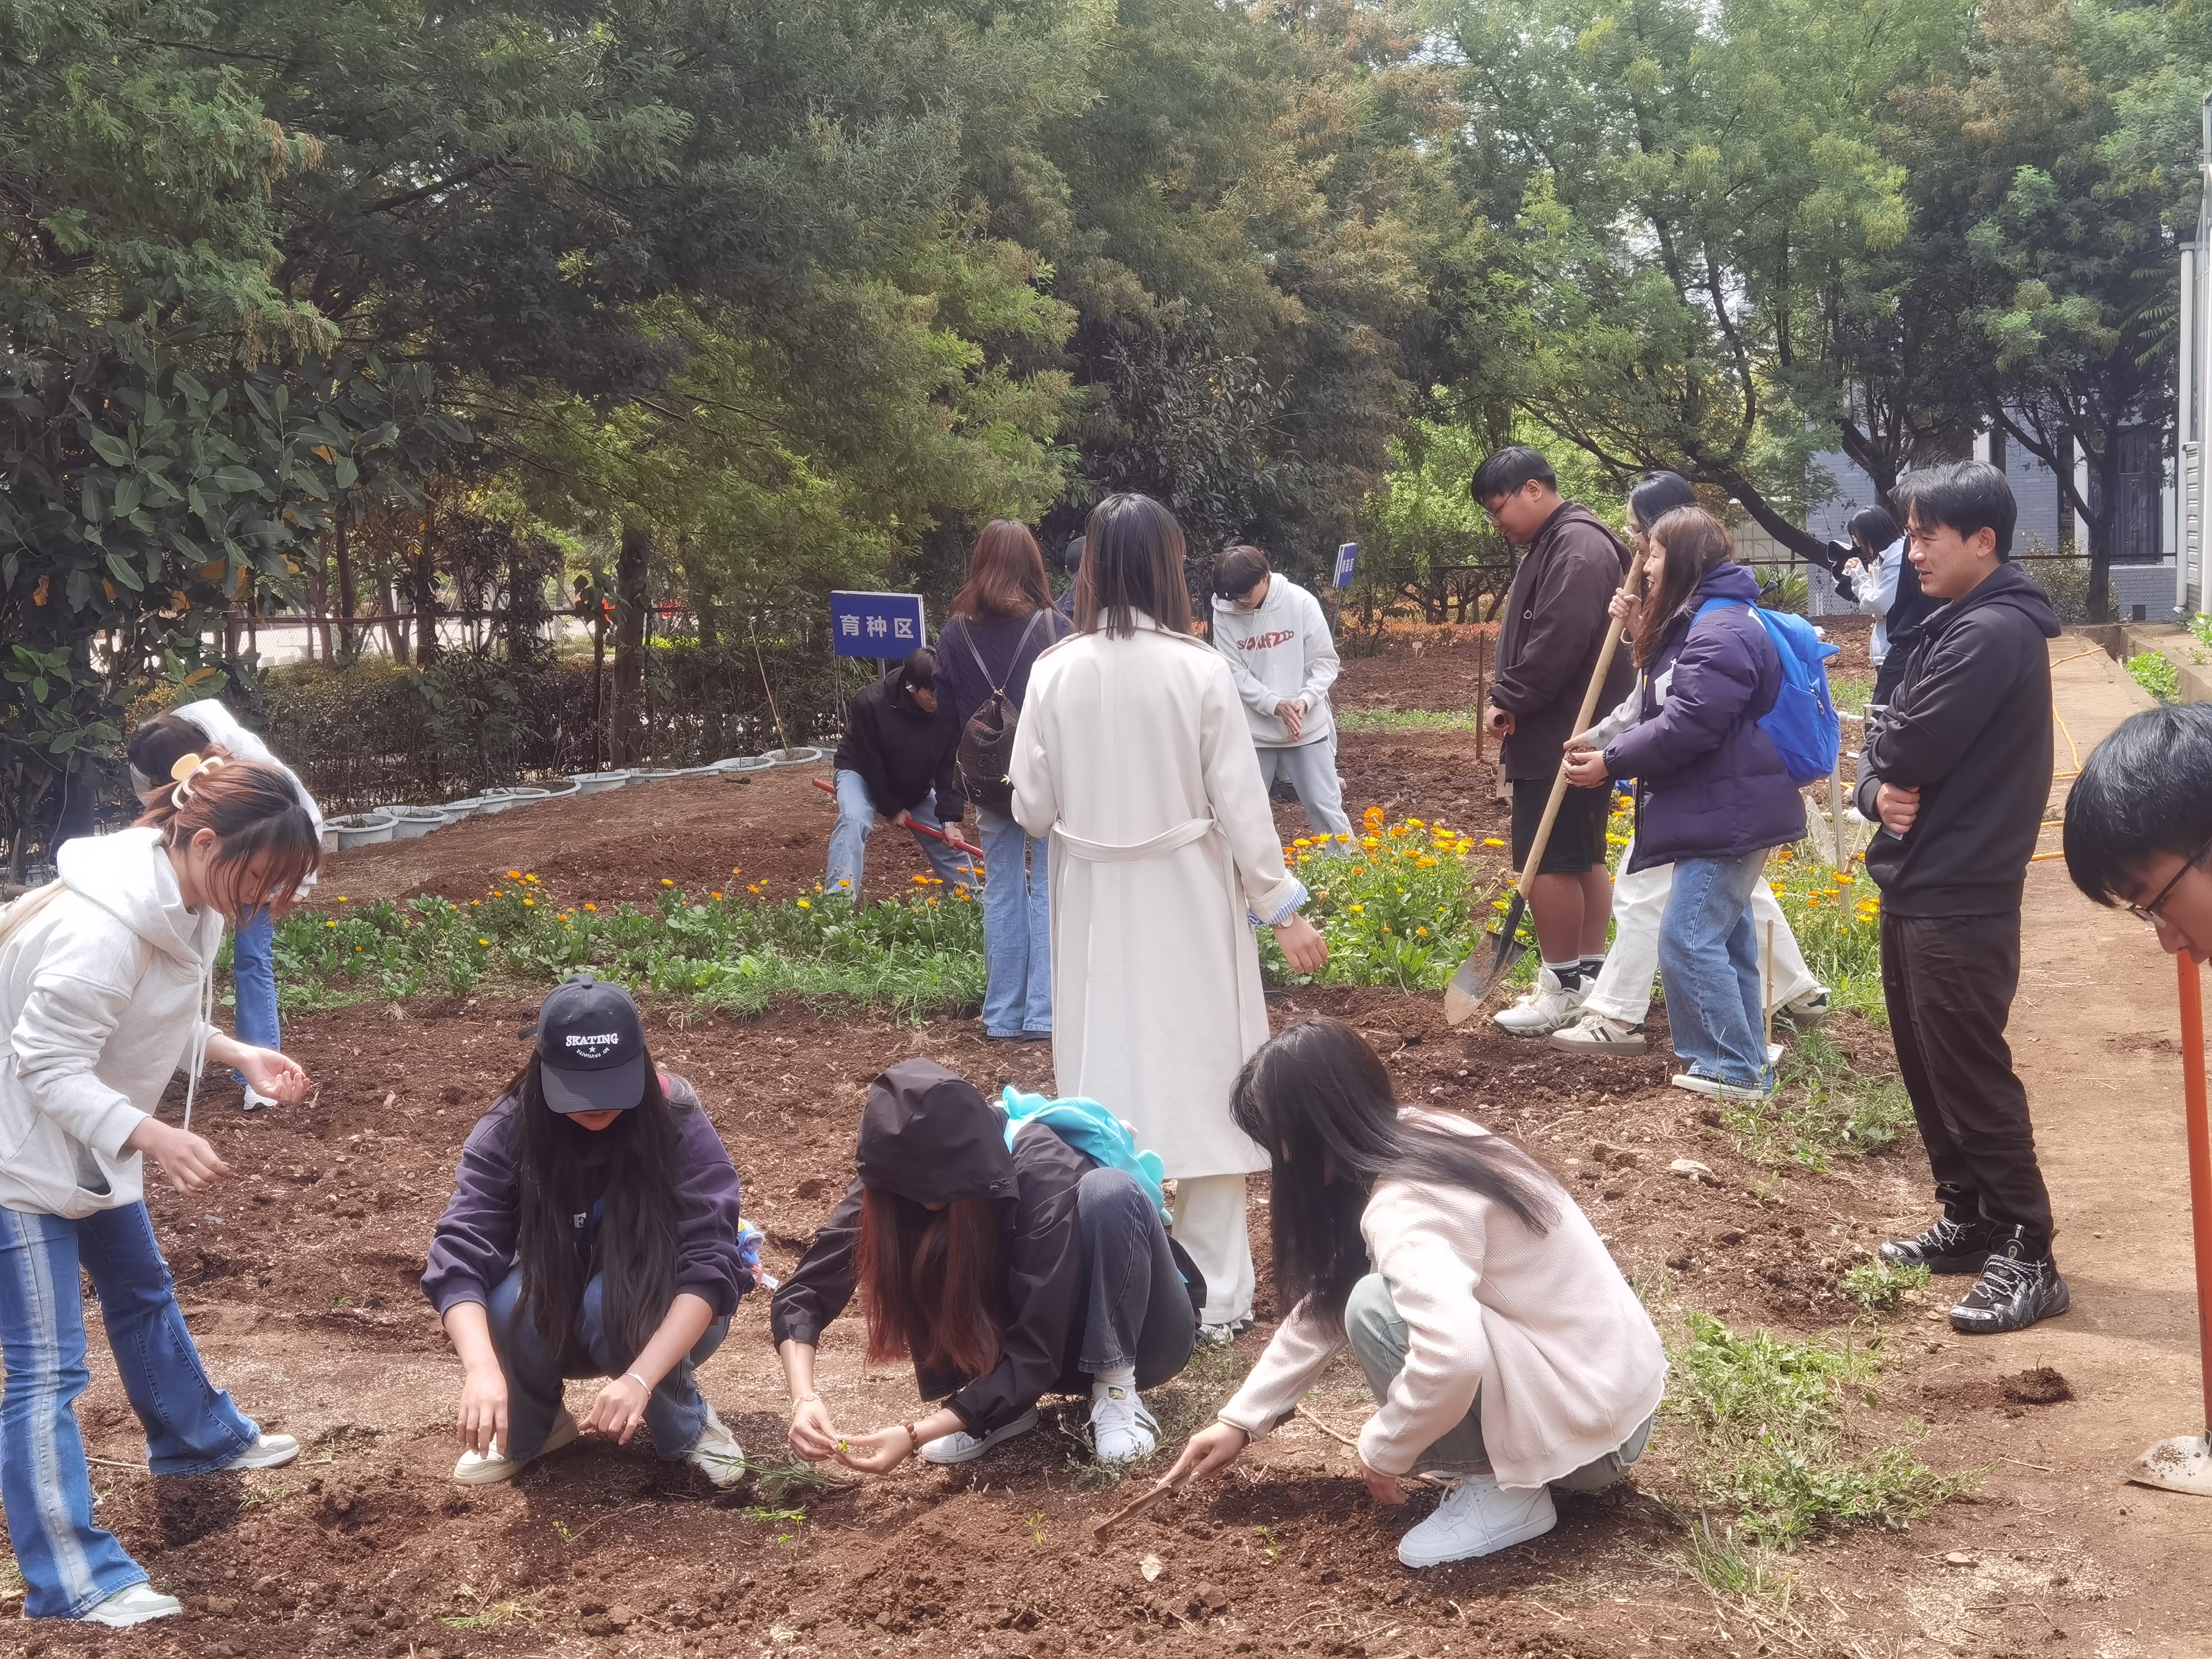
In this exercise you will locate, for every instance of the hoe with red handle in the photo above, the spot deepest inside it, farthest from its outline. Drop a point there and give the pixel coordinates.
(2185, 1463)
(953, 841)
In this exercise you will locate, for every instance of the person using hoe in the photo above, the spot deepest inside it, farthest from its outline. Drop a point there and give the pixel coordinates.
(107, 977)
(594, 1231)
(1554, 627)
(209, 729)
(1008, 1256)
(896, 758)
(1283, 655)
(1133, 753)
(1611, 1021)
(1506, 1353)
(1957, 775)
(1001, 619)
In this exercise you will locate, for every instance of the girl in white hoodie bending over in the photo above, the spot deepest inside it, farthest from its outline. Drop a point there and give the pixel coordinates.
(107, 978)
(1507, 1354)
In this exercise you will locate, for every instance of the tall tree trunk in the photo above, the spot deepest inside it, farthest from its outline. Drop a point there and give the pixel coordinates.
(598, 681)
(318, 607)
(632, 565)
(2105, 473)
(424, 568)
(349, 604)
(397, 639)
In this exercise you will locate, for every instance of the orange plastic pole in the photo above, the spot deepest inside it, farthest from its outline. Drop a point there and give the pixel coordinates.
(2200, 1163)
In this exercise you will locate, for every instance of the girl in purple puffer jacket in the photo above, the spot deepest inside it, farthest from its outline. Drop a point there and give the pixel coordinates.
(1712, 795)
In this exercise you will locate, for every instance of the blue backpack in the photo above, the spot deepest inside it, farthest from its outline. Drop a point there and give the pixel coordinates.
(1802, 722)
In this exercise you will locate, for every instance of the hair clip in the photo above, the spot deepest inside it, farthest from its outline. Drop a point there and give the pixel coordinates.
(187, 767)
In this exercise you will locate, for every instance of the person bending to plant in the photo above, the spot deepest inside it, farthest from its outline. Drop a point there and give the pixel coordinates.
(1505, 1350)
(1008, 1256)
(106, 973)
(594, 1231)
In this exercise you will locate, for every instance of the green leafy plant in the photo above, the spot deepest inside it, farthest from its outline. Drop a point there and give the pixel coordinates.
(1735, 1572)
(2155, 671)
(1875, 1285)
(1836, 917)
(1037, 1529)
(1392, 900)
(1823, 1109)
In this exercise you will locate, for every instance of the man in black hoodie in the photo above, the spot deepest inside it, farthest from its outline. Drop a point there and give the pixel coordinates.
(896, 758)
(1958, 776)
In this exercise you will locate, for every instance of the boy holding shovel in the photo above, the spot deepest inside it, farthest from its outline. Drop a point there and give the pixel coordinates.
(1555, 622)
(1958, 776)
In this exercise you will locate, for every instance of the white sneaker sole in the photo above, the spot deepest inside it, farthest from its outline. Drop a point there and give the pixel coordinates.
(1535, 1527)
(491, 1471)
(1565, 1038)
(1716, 1089)
(942, 1453)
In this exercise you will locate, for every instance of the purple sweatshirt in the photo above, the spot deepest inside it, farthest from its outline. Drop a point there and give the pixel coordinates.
(473, 1248)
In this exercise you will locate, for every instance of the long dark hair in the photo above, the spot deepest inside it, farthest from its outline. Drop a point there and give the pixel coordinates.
(1653, 497)
(930, 1279)
(1319, 1099)
(635, 1249)
(1873, 529)
(1697, 543)
(1133, 560)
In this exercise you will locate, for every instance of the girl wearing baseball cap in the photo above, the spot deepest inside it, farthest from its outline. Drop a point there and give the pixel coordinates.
(593, 1231)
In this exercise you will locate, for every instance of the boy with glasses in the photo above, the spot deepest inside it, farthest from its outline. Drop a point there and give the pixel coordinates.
(1958, 777)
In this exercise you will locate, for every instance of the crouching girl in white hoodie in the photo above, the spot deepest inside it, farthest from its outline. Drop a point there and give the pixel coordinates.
(106, 986)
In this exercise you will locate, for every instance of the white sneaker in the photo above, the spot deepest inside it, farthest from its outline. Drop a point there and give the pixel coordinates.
(138, 1605)
(271, 1451)
(1479, 1517)
(1810, 1009)
(1543, 1010)
(1593, 1033)
(961, 1447)
(255, 1100)
(475, 1471)
(1697, 1084)
(1220, 1336)
(716, 1453)
(1122, 1429)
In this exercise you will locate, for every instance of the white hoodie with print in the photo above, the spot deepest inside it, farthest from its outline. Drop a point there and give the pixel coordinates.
(105, 984)
(1281, 653)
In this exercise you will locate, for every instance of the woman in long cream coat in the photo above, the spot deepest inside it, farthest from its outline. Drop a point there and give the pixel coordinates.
(1133, 753)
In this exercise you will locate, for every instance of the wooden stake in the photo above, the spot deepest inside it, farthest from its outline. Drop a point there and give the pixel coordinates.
(1767, 990)
(1105, 1529)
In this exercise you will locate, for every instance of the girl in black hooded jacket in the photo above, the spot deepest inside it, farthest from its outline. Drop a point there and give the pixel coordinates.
(1004, 1273)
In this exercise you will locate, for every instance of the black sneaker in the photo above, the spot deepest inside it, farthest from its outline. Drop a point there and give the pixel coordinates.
(2018, 1286)
(1951, 1246)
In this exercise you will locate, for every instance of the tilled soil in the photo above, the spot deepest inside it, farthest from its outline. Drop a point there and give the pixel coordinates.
(298, 1276)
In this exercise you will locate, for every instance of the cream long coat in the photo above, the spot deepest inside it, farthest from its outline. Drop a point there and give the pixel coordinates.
(1135, 754)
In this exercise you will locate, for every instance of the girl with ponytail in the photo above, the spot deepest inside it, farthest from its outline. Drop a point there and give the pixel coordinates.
(106, 983)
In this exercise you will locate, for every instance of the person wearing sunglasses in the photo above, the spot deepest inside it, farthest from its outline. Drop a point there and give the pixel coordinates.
(1958, 776)
(2139, 825)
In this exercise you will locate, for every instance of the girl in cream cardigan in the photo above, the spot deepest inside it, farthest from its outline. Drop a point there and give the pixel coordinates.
(1504, 1347)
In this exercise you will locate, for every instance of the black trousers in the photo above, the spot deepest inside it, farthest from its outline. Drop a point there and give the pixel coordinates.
(1950, 982)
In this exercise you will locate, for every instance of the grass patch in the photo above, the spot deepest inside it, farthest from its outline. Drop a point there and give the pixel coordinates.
(499, 1612)
(776, 1482)
(1778, 1439)
(1741, 1573)
(1836, 917)
(2155, 671)
(1849, 693)
(1877, 1286)
(1406, 720)
(1823, 1110)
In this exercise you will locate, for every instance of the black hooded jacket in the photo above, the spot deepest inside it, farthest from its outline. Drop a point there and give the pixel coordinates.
(902, 750)
(928, 1135)
(1969, 726)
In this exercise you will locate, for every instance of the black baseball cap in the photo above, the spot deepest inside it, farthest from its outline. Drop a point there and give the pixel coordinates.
(591, 1047)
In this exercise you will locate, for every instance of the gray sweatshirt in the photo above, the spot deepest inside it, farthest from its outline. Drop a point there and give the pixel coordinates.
(1281, 653)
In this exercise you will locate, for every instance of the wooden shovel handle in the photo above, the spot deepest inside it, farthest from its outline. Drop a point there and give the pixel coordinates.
(1629, 585)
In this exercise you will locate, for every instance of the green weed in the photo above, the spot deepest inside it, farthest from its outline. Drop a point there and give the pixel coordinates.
(760, 1515)
(776, 1481)
(2155, 671)
(1269, 1542)
(1875, 1285)
(1822, 1110)
(1735, 1572)
(1836, 917)
(1406, 720)
(1849, 693)
(499, 1612)
(12, 1588)
(1037, 1529)
(1775, 1439)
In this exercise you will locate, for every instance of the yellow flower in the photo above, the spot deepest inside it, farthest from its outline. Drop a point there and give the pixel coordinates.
(590, 907)
(484, 941)
(530, 903)
(1421, 932)
(474, 902)
(1413, 823)
(330, 924)
(1463, 845)
(514, 875)
(532, 880)
(1370, 842)
(343, 900)
(714, 895)
(665, 882)
(1492, 840)
(1425, 862)
(1358, 909)
(1501, 904)
(806, 904)
(1346, 840)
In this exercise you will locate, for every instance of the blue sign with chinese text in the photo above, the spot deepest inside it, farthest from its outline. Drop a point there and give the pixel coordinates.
(1347, 556)
(877, 624)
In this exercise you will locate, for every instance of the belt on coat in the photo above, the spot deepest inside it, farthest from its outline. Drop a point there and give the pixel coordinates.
(1107, 852)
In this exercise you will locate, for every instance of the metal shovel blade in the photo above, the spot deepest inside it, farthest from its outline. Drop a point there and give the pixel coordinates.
(1484, 966)
(2183, 1464)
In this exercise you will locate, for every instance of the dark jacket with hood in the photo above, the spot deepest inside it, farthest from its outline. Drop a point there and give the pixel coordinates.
(926, 1135)
(1554, 626)
(1709, 782)
(473, 1249)
(902, 750)
(1969, 726)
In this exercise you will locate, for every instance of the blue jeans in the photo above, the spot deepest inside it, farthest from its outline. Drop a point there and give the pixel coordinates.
(676, 1414)
(1709, 962)
(253, 974)
(69, 1564)
(1017, 927)
(856, 821)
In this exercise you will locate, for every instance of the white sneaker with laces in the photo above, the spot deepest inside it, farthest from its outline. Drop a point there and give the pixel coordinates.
(1221, 1335)
(1479, 1517)
(1121, 1429)
(475, 1471)
(716, 1453)
(1543, 1011)
(269, 1451)
(961, 1447)
(1810, 1009)
(1697, 1084)
(139, 1604)
(1593, 1033)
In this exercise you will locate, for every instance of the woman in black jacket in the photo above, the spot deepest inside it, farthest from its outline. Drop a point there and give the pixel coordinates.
(896, 759)
(1004, 1273)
